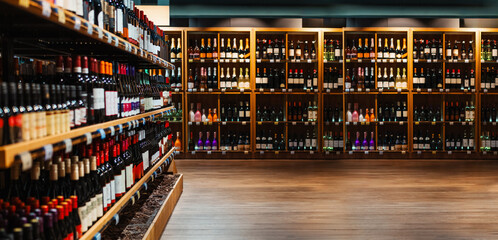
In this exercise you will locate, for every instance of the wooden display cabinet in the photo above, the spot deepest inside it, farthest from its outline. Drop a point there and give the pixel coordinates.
(437, 88)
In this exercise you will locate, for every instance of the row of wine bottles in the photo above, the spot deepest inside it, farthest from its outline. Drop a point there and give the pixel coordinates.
(268, 141)
(44, 99)
(489, 78)
(300, 112)
(489, 141)
(332, 50)
(268, 49)
(368, 52)
(122, 18)
(391, 113)
(431, 50)
(426, 113)
(70, 192)
(489, 113)
(455, 111)
(229, 142)
(211, 52)
(229, 112)
(489, 51)
(434, 142)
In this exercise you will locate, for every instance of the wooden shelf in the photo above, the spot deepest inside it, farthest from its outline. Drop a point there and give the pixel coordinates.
(9, 152)
(57, 27)
(108, 216)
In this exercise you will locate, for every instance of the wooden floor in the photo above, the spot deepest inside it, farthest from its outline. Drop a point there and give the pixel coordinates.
(349, 199)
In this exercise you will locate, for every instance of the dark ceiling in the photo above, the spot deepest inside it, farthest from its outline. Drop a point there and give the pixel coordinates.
(332, 8)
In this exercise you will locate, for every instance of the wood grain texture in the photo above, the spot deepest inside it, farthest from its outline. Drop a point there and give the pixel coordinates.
(344, 199)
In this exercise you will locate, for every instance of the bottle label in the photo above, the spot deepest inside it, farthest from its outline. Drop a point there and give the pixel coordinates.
(99, 202)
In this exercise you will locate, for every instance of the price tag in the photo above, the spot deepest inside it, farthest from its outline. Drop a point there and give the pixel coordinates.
(306, 123)
(434, 152)
(360, 90)
(101, 34)
(312, 152)
(222, 60)
(447, 90)
(223, 89)
(367, 90)
(258, 60)
(202, 89)
(347, 123)
(89, 138)
(466, 61)
(272, 61)
(429, 90)
(405, 60)
(451, 123)
(484, 153)
(398, 60)
(102, 133)
(89, 28)
(464, 123)
(46, 9)
(290, 90)
(485, 90)
(276, 123)
(450, 152)
(215, 60)
(26, 160)
(441, 90)
(360, 60)
(112, 131)
(340, 61)
(469, 152)
(209, 152)
(210, 90)
(242, 90)
(24, 3)
(337, 123)
(193, 152)
(350, 152)
(244, 123)
(399, 90)
(284, 90)
(309, 60)
(294, 123)
(381, 152)
(246, 152)
(328, 90)
(68, 143)
(197, 123)
(223, 152)
(494, 123)
(471, 123)
(401, 123)
(132, 199)
(234, 60)
(202, 60)
(381, 123)
(97, 237)
(120, 128)
(223, 123)
(292, 152)
(355, 123)
(77, 23)
(381, 90)
(49, 151)
(116, 218)
(116, 44)
(415, 60)
(327, 153)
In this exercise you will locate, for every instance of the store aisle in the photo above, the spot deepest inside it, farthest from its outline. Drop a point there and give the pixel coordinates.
(347, 199)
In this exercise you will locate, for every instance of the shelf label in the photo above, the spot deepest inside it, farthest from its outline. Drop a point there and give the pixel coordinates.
(223, 89)
(419, 152)
(290, 90)
(327, 153)
(26, 160)
(68, 143)
(223, 152)
(209, 152)
(367, 152)
(102, 133)
(360, 60)
(429, 90)
(49, 151)
(197, 123)
(258, 60)
(306, 123)
(120, 126)
(89, 138)
(405, 60)
(116, 218)
(350, 152)
(77, 23)
(284, 90)
(415, 60)
(116, 43)
(337, 123)
(203, 60)
(244, 123)
(193, 152)
(381, 123)
(234, 60)
(261, 152)
(434, 152)
(272, 61)
(469, 152)
(464, 123)
(246, 152)
(466, 61)
(109, 39)
(398, 60)
(328, 90)
(381, 152)
(355, 123)
(340, 60)
(381, 90)
(451, 123)
(260, 123)
(292, 152)
(399, 90)
(403, 152)
(276, 123)
(312, 152)
(89, 28)
(450, 152)
(272, 90)
(46, 9)
(294, 123)
(309, 60)
(223, 123)
(242, 90)
(312, 123)
(401, 123)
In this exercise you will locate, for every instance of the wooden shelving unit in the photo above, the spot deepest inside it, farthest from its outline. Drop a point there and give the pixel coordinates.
(127, 197)
(326, 98)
